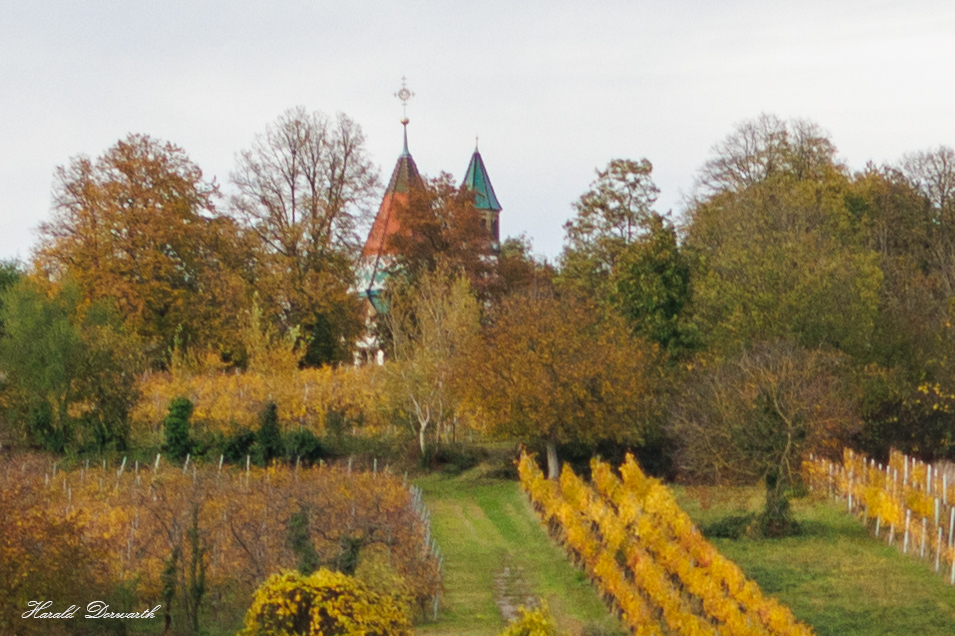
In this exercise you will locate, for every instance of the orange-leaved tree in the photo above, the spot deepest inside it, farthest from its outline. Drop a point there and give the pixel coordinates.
(552, 368)
(439, 226)
(138, 226)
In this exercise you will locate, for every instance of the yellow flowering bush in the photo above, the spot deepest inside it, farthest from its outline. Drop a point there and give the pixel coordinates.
(324, 604)
(532, 622)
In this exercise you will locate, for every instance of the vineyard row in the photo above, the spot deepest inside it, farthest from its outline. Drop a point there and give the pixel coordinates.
(646, 557)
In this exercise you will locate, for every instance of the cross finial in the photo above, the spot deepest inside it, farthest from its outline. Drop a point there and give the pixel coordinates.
(404, 95)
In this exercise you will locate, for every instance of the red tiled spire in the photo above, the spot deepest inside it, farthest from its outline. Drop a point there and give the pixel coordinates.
(404, 177)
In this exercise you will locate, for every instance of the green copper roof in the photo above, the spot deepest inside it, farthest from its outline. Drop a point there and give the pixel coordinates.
(479, 183)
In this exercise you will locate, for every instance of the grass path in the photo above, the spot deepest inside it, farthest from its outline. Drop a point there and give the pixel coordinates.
(486, 527)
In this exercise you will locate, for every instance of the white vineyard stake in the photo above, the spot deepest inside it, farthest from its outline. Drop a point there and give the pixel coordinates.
(905, 543)
(938, 549)
(951, 530)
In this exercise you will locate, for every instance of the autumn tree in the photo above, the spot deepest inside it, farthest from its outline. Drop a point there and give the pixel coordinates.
(138, 226)
(757, 416)
(611, 215)
(932, 174)
(440, 227)
(552, 368)
(518, 269)
(304, 189)
(431, 325)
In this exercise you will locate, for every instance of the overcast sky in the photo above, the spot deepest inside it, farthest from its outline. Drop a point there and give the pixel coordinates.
(553, 89)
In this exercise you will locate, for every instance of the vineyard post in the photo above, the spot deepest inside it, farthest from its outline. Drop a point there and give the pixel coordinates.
(928, 481)
(156, 465)
(850, 491)
(924, 532)
(905, 474)
(905, 544)
(951, 530)
(936, 510)
(938, 549)
(878, 524)
(830, 479)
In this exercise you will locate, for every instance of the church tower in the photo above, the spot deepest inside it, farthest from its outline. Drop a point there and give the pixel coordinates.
(374, 255)
(477, 181)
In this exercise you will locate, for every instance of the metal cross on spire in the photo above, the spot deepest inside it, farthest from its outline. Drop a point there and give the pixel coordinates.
(404, 95)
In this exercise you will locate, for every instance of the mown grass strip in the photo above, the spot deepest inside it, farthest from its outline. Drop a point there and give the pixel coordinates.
(484, 525)
(833, 576)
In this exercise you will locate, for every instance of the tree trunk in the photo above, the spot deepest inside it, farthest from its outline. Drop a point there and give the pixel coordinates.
(553, 465)
(777, 517)
(425, 458)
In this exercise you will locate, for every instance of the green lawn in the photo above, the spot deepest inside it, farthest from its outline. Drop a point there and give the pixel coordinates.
(834, 576)
(485, 526)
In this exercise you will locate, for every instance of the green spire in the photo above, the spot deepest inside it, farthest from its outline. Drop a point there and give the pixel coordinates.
(477, 181)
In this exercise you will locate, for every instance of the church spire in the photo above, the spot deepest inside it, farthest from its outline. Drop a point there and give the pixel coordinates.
(404, 178)
(485, 201)
(405, 96)
(477, 181)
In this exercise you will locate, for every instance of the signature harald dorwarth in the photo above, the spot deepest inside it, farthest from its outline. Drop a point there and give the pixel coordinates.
(95, 609)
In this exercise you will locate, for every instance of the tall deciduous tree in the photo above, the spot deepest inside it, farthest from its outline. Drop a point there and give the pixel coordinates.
(932, 173)
(611, 215)
(305, 188)
(782, 258)
(138, 226)
(553, 369)
(763, 147)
